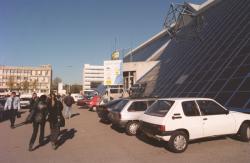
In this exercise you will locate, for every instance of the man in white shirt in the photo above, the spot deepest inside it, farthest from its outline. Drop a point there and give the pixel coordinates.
(13, 106)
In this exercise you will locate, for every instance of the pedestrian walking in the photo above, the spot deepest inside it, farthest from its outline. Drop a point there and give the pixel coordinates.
(68, 101)
(12, 105)
(39, 119)
(55, 118)
(33, 101)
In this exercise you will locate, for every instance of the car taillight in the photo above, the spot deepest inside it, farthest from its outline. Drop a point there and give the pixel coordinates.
(161, 128)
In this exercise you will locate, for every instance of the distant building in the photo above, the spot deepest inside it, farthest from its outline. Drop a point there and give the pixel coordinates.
(26, 79)
(93, 75)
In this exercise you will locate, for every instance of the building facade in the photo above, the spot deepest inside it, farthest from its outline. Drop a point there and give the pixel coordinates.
(26, 79)
(93, 75)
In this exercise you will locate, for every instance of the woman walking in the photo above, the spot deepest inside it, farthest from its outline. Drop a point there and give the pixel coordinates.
(55, 118)
(39, 119)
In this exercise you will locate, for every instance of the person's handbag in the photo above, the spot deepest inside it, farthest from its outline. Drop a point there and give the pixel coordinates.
(18, 114)
(61, 120)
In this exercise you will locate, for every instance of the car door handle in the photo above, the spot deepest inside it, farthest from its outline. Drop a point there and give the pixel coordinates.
(204, 119)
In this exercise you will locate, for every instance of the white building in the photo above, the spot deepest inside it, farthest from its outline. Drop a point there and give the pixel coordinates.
(26, 79)
(93, 75)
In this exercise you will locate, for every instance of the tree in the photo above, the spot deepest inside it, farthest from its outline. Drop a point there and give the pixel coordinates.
(75, 88)
(34, 84)
(25, 85)
(10, 83)
(55, 83)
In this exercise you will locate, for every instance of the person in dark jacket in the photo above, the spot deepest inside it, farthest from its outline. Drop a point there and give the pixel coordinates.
(55, 114)
(33, 101)
(39, 119)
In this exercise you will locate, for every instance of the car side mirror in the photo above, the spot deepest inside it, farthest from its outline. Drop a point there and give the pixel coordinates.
(227, 112)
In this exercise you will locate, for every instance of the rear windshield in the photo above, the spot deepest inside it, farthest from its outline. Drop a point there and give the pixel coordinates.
(120, 105)
(113, 103)
(160, 108)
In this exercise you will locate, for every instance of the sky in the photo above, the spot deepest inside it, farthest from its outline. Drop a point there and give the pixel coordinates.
(70, 33)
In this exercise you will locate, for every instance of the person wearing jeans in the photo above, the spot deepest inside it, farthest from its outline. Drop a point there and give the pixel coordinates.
(68, 101)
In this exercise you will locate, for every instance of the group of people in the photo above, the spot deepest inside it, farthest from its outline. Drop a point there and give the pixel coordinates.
(42, 109)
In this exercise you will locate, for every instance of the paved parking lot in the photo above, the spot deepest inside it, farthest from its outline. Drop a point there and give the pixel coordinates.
(85, 139)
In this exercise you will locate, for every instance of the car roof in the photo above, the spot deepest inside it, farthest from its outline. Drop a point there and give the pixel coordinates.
(185, 98)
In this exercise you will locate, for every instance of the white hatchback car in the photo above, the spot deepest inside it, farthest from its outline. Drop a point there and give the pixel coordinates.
(178, 120)
(127, 112)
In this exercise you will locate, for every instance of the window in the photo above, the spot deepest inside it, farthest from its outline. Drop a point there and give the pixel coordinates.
(160, 108)
(210, 108)
(190, 108)
(138, 106)
(150, 102)
(120, 105)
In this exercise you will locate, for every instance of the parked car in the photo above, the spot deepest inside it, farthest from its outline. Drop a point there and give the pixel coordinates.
(84, 100)
(94, 102)
(179, 120)
(76, 96)
(127, 112)
(104, 109)
(25, 100)
(2, 113)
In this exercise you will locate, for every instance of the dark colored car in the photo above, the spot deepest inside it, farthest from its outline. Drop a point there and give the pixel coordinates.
(2, 112)
(103, 110)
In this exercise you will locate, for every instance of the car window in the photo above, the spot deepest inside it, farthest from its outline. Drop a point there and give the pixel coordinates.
(210, 108)
(138, 106)
(120, 105)
(190, 108)
(150, 102)
(160, 108)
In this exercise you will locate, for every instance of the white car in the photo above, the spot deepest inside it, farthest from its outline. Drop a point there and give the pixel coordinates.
(25, 100)
(127, 112)
(178, 120)
(76, 96)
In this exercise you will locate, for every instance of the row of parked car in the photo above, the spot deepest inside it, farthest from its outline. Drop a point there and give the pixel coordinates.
(175, 120)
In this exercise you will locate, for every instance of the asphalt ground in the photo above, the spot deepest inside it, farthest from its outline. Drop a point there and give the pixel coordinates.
(85, 139)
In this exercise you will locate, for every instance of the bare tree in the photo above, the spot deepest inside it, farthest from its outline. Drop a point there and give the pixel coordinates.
(55, 83)
(34, 84)
(11, 83)
(25, 85)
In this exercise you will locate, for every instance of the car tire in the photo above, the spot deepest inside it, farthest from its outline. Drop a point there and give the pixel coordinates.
(244, 132)
(132, 128)
(178, 142)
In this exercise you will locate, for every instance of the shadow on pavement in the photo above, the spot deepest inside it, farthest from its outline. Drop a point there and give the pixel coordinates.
(117, 129)
(65, 135)
(75, 114)
(142, 137)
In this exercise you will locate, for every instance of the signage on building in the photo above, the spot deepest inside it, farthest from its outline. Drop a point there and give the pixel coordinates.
(115, 55)
(113, 74)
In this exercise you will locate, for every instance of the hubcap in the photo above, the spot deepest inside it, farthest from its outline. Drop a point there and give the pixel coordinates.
(133, 128)
(180, 142)
(248, 133)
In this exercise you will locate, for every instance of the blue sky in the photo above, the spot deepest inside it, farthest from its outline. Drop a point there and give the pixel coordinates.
(70, 33)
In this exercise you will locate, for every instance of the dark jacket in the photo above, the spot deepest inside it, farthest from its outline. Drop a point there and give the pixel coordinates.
(55, 111)
(33, 103)
(69, 100)
(40, 112)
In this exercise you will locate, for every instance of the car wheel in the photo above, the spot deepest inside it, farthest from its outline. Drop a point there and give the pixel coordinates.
(245, 132)
(178, 142)
(131, 128)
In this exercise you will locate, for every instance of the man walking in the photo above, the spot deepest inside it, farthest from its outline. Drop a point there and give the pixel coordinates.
(13, 106)
(68, 101)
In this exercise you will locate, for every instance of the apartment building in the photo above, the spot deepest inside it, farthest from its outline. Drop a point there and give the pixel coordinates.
(26, 79)
(93, 75)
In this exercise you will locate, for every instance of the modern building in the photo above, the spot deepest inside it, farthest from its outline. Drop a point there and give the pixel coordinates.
(207, 55)
(93, 75)
(26, 79)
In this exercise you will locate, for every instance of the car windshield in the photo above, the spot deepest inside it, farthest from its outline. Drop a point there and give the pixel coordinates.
(160, 108)
(120, 105)
(113, 103)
